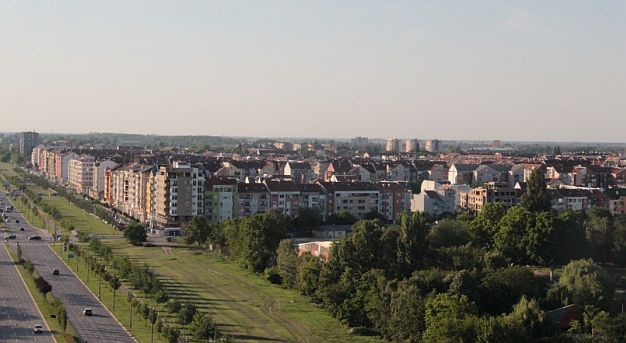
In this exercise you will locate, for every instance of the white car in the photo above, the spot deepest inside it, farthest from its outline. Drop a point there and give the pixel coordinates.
(38, 328)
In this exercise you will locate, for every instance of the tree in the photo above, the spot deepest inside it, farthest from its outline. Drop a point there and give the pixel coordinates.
(342, 218)
(202, 327)
(448, 233)
(308, 272)
(412, 240)
(501, 289)
(174, 306)
(528, 315)
(171, 334)
(584, 283)
(186, 313)
(43, 286)
(511, 237)
(115, 285)
(406, 320)
(286, 262)
(449, 318)
(599, 233)
(19, 252)
(62, 319)
(197, 231)
(308, 219)
(253, 240)
(136, 234)
(536, 198)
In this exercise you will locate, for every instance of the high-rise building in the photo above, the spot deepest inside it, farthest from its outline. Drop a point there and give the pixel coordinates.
(28, 140)
(411, 145)
(433, 145)
(392, 145)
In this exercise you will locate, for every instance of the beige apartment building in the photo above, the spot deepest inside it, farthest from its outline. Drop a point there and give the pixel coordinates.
(129, 190)
(80, 173)
(177, 195)
(493, 192)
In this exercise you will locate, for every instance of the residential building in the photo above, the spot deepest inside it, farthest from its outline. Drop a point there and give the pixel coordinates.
(357, 198)
(179, 195)
(395, 198)
(434, 199)
(462, 173)
(252, 198)
(99, 171)
(492, 192)
(27, 141)
(80, 173)
(220, 198)
(433, 146)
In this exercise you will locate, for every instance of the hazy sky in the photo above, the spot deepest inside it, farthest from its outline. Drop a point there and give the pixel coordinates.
(511, 70)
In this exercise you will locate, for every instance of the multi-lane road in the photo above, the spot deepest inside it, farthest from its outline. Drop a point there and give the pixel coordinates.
(101, 326)
(18, 311)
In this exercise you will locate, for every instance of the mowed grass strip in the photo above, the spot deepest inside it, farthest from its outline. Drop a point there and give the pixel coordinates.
(242, 301)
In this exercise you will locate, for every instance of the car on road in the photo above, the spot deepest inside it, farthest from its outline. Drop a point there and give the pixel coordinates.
(55, 271)
(17, 221)
(11, 236)
(87, 312)
(34, 238)
(38, 328)
(21, 229)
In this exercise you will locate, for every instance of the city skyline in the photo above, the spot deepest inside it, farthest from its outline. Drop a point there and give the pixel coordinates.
(448, 70)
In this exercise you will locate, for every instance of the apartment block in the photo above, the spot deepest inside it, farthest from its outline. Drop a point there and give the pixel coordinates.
(220, 198)
(80, 173)
(178, 195)
(357, 198)
(27, 141)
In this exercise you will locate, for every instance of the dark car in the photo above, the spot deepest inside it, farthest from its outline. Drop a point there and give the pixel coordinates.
(21, 229)
(34, 238)
(11, 236)
(17, 221)
(87, 312)
(55, 271)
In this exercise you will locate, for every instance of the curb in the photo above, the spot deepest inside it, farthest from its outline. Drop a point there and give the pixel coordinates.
(31, 295)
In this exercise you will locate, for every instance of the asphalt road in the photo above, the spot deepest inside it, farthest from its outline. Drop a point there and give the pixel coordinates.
(18, 311)
(101, 326)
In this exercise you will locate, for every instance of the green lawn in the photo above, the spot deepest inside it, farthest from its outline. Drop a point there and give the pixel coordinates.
(45, 306)
(246, 305)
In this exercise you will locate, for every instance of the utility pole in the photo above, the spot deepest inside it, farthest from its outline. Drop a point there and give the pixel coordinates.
(152, 320)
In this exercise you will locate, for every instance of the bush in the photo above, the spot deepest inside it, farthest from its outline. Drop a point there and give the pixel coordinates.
(174, 306)
(273, 276)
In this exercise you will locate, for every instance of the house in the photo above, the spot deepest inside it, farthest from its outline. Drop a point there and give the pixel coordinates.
(462, 173)
(438, 172)
(572, 199)
(492, 173)
(434, 199)
(319, 249)
(617, 201)
(300, 172)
